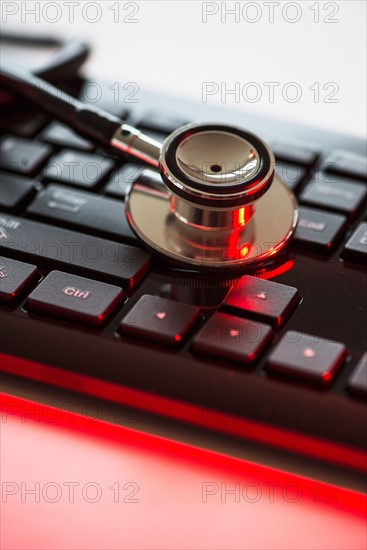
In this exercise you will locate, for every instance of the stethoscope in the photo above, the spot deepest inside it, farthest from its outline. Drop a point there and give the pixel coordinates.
(210, 199)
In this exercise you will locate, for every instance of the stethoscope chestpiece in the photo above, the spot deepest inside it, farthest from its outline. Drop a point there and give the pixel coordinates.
(216, 202)
(210, 163)
(220, 204)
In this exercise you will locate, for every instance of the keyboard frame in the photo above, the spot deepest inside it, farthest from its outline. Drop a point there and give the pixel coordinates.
(298, 417)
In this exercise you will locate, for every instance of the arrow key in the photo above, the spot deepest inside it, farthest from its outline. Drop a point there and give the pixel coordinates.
(160, 320)
(262, 300)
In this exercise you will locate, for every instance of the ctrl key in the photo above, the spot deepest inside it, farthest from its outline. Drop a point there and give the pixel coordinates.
(75, 298)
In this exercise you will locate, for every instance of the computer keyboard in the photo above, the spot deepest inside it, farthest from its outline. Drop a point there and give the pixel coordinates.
(275, 354)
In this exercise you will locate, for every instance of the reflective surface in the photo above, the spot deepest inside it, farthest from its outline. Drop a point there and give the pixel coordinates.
(265, 233)
(216, 165)
(210, 219)
(217, 157)
(133, 142)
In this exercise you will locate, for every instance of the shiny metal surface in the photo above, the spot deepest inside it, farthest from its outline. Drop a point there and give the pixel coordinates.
(213, 163)
(210, 219)
(149, 211)
(217, 157)
(133, 142)
(218, 205)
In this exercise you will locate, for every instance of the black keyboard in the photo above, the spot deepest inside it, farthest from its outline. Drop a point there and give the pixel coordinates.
(276, 355)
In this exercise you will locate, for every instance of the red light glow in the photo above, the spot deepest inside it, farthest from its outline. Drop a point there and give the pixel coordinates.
(244, 250)
(178, 410)
(59, 446)
(241, 216)
(270, 273)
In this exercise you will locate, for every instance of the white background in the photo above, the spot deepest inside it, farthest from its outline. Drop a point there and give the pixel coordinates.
(170, 48)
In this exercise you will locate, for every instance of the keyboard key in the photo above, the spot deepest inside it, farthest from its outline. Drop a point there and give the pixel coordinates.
(356, 248)
(15, 190)
(295, 154)
(262, 300)
(160, 320)
(23, 156)
(14, 278)
(76, 168)
(357, 382)
(340, 195)
(307, 357)
(319, 231)
(80, 210)
(346, 163)
(63, 249)
(122, 179)
(161, 123)
(232, 338)
(62, 136)
(291, 174)
(75, 298)
(22, 119)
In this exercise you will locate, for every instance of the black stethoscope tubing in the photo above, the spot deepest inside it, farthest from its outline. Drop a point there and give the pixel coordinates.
(89, 121)
(37, 86)
(64, 64)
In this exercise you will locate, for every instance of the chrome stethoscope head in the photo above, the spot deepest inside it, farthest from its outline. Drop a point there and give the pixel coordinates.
(212, 164)
(215, 202)
(220, 204)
